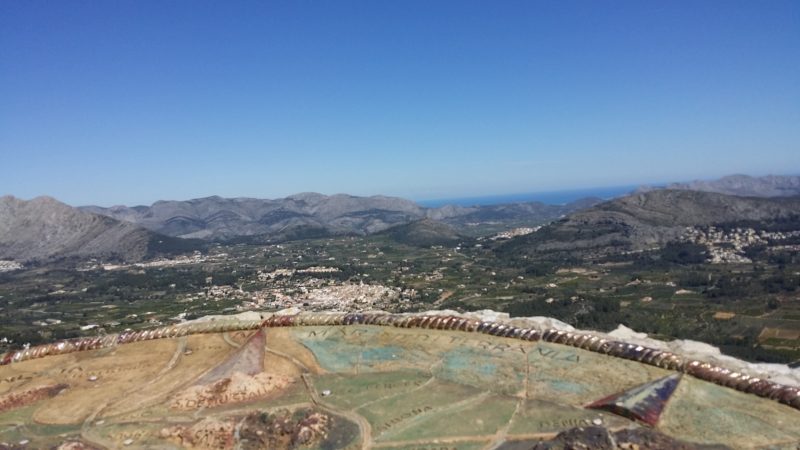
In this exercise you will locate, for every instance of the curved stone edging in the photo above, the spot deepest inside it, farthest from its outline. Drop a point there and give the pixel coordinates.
(788, 395)
(112, 340)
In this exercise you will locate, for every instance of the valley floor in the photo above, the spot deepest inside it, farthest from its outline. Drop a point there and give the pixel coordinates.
(751, 309)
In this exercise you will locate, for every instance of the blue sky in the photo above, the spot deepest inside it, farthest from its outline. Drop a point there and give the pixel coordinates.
(128, 102)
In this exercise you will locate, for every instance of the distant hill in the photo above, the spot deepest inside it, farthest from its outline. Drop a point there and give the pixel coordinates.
(527, 213)
(646, 220)
(44, 229)
(217, 218)
(746, 186)
(315, 215)
(424, 233)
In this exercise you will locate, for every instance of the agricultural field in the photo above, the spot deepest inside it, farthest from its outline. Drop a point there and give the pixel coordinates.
(750, 310)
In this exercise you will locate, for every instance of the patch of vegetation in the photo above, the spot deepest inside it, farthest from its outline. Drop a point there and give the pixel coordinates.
(683, 253)
(669, 293)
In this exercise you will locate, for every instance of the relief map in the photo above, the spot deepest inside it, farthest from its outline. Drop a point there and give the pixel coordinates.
(369, 386)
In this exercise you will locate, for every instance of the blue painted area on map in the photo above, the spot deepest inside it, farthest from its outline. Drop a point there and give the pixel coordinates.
(476, 367)
(340, 356)
(335, 356)
(377, 355)
(465, 361)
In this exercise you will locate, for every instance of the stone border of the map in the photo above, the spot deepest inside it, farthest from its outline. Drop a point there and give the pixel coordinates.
(594, 342)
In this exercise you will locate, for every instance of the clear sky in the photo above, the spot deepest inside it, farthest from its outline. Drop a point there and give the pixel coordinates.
(128, 102)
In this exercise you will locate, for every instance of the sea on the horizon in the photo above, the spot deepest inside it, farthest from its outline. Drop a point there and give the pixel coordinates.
(549, 197)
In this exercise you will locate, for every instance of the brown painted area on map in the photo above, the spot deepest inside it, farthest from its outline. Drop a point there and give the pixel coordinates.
(238, 388)
(25, 397)
(18, 375)
(142, 361)
(282, 340)
(208, 434)
(239, 378)
(191, 360)
(75, 445)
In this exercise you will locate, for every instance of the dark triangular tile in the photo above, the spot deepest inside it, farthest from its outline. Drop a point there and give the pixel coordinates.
(643, 403)
(249, 359)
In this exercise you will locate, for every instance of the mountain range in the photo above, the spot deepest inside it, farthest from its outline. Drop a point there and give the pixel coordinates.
(745, 186)
(648, 219)
(314, 215)
(217, 218)
(44, 229)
